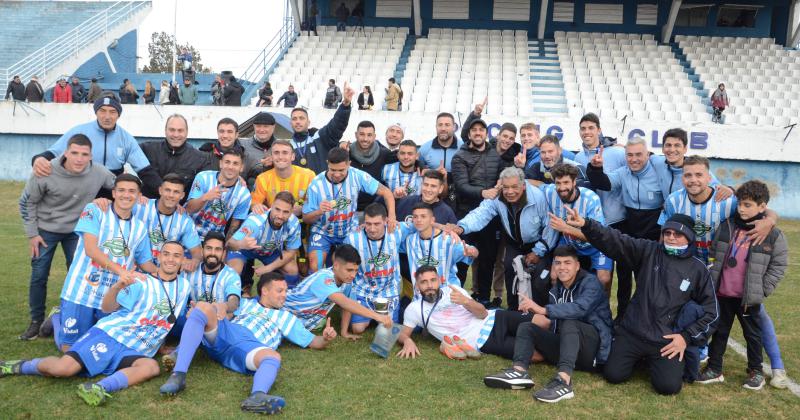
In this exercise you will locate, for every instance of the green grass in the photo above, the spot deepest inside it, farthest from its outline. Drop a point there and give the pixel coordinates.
(347, 380)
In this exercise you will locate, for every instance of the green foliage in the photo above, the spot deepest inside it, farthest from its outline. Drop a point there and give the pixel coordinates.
(163, 50)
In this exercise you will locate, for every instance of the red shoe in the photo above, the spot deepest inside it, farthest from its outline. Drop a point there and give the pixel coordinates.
(451, 350)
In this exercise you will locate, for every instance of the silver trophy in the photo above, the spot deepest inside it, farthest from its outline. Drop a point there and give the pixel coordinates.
(381, 305)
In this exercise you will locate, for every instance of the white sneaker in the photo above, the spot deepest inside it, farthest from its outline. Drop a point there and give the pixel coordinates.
(779, 379)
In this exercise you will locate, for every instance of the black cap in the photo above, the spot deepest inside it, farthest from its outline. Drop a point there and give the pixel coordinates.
(478, 121)
(264, 118)
(682, 224)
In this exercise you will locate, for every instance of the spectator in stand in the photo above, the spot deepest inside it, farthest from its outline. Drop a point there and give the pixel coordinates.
(719, 101)
(163, 93)
(149, 92)
(358, 13)
(265, 95)
(333, 95)
(232, 92)
(365, 99)
(174, 94)
(185, 58)
(16, 90)
(129, 94)
(342, 12)
(393, 96)
(313, 11)
(369, 156)
(34, 91)
(289, 98)
(78, 91)
(95, 92)
(257, 156)
(62, 94)
(216, 90)
(188, 92)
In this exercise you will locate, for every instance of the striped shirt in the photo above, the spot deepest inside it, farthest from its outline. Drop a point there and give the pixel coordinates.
(707, 216)
(309, 299)
(233, 203)
(161, 227)
(379, 272)
(269, 184)
(340, 221)
(443, 253)
(269, 326)
(267, 237)
(588, 206)
(214, 287)
(394, 178)
(142, 322)
(123, 241)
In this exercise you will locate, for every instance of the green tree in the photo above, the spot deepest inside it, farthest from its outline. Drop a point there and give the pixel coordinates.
(163, 49)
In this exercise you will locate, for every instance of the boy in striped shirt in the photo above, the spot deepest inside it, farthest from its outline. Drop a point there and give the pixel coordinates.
(142, 311)
(247, 343)
(403, 177)
(331, 205)
(111, 244)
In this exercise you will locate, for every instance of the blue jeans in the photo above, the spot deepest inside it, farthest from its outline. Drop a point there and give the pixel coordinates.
(40, 268)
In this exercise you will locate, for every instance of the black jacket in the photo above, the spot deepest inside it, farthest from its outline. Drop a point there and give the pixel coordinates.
(233, 93)
(538, 172)
(174, 97)
(78, 93)
(185, 161)
(369, 103)
(664, 284)
(254, 152)
(508, 156)
(213, 152)
(375, 169)
(289, 99)
(474, 171)
(34, 92)
(127, 97)
(315, 144)
(15, 90)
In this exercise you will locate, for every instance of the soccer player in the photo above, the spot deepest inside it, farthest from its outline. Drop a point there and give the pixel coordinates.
(566, 193)
(403, 177)
(121, 345)
(215, 282)
(282, 177)
(218, 199)
(331, 205)
(272, 237)
(247, 343)
(110, 243)
(379, 272)
(315, 296)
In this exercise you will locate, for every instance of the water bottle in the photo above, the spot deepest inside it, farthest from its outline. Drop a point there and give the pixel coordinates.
(384, 340)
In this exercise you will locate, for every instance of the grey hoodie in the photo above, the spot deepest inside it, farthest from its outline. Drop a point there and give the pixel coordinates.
(54, 203)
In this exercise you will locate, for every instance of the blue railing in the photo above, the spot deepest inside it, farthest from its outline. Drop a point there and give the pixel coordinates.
(262, 66)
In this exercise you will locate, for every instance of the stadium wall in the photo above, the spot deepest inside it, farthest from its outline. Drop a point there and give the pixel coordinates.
(123, 56)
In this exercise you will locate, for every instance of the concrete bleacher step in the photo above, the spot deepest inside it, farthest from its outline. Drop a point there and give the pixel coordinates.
(401, 64)
(547, 84)
(697, 84)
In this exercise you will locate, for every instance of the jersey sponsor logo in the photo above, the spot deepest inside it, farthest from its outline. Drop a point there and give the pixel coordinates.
(217, 207)
(329, 281)
(701, 228)
(379, 273)
(157, 237)
(342, 203)
(97, 350)
(379, 260)
(208, 216)
(115, 246)
(163, 307)
(427, 260)
(154, 321)
(340, 217)
(246, 231)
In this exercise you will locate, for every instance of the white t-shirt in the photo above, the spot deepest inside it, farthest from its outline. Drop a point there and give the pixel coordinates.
(449, 319)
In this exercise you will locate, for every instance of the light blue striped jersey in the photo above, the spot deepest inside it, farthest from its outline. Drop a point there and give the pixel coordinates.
(707, 216)
(394, 178)
(269, 326)
(309, 299)
(443, 253)
(338, 222)
(214, 287)
(86, 283)
(162, 228)
(234, 203)
(588, 206)
(268, 238)
(142, 322)
(379, 272)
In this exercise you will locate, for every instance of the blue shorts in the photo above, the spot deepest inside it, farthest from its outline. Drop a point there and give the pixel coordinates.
(250, 255)
(231, 346)
(600, 261)
(99, 354)
(394, 309)
(324, 243)
(76, 320)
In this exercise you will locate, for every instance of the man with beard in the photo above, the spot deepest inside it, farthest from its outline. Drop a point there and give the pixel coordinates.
(272, 237)
(550, 153)
(227, 139)
(438, 153)
(566, 193)
(218, 201)
(403, 177)
(215, 283)
(256, 148)
(369, 156)
(282, 177)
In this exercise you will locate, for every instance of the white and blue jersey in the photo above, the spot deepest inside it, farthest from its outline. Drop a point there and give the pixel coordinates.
(162, 227)
(125, 242)
(269, 326)
(233, 203)
(214, 287)
(394, 178)
(670, 177)
(588, 206)
(707, 216)
(341, 220)
(379, 272)
(142, 322)
(441, 251)
(270, 239)
(309, 299)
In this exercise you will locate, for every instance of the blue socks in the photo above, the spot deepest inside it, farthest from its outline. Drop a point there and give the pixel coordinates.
(190, 339)
(31, 367)
(114, 383)
(265, 375)
(770, 340)
(291, 280)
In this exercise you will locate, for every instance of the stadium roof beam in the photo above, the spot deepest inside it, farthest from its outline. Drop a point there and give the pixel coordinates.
(295, 5)
(417, 19)
(793, 31)
(666, 33)
(542, 19)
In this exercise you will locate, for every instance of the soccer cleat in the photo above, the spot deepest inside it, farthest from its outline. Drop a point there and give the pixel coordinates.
(451, 350)
(509, 379)
(755, 380)
(46, 330)
(466, 348)
(32, 333)
(169, 360)
(263, 403)
(709, 376)
(93, 394)
(175, 384)
(779, 379)
(10, 367)
(555, 391)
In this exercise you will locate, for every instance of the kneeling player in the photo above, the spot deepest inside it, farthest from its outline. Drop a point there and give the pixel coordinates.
(247, 343)
(123, 343)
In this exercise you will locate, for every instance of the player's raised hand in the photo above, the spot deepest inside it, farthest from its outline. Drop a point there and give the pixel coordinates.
(214, 194)
(597, 159)
(328, 333)
(399, 192)
(574, 218)
(521, 158)
(259, 209)
(347, 95)
(481, 106)
(327, 205)
(557, 223)
(250, 242)
(457, 297)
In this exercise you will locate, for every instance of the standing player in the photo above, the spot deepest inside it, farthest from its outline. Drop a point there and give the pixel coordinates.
(403, 177)
(282, 177)
(272, 237)
(110, 243)
(121, 345)
(315, 296)
(218, 200)
(331, 205)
